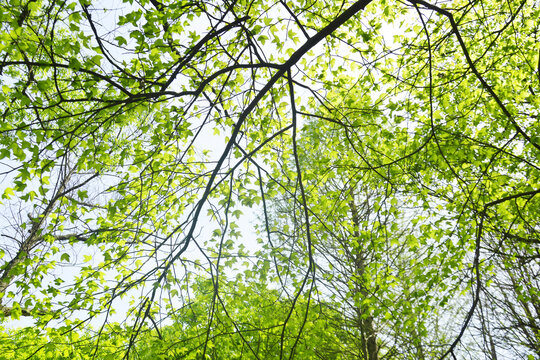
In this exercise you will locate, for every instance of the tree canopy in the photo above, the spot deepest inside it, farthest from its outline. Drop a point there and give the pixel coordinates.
(254, 179)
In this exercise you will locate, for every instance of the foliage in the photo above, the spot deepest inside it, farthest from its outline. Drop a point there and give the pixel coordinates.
(390, 148)
(246, 322)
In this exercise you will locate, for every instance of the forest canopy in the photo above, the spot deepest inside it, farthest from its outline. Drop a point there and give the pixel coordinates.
(269, 179)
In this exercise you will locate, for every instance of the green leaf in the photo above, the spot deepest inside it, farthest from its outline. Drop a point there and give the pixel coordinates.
(121, 40)
(8, 193)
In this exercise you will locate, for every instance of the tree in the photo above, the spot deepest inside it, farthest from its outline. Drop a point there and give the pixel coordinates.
(368, 248)
(508, 319)
(245, 324)
(134, 136)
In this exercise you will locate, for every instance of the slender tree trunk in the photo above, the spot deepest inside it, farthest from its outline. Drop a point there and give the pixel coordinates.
(33, 239)
(370, 350)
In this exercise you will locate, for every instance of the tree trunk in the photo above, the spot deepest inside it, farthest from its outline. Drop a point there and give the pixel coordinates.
(370, 350)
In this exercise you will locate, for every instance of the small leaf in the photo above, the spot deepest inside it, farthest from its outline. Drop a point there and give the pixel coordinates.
(121, 40)
(8, 193)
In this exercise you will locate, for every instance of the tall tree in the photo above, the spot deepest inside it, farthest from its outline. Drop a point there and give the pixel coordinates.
(368, 249)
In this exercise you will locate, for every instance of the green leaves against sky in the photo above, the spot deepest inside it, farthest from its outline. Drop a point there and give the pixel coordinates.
(259, 180)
